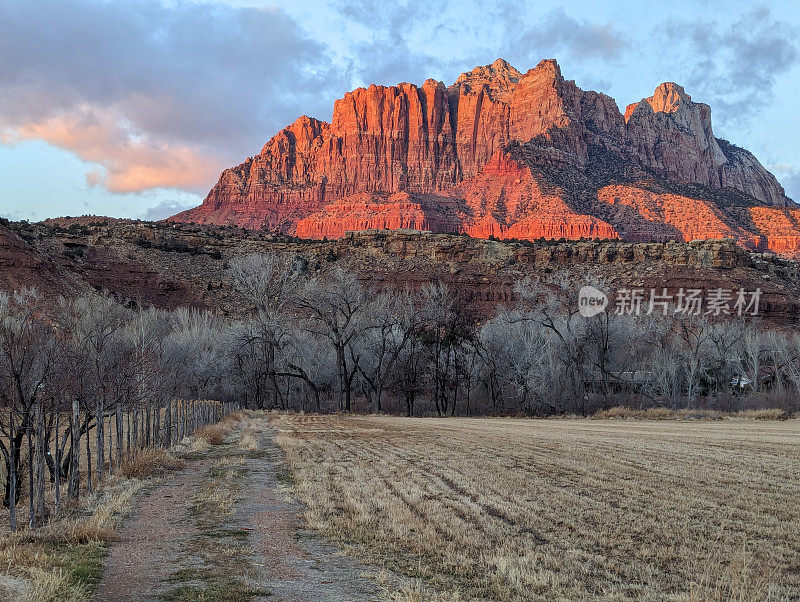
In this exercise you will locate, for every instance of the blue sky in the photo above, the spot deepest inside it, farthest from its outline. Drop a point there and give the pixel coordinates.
(131, 109)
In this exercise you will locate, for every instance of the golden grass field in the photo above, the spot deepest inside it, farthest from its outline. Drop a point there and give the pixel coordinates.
(570, 508)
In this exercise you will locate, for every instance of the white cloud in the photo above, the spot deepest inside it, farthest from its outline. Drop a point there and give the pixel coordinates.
(158, 94)
(734, 68)
(165, 209)
(131, 162)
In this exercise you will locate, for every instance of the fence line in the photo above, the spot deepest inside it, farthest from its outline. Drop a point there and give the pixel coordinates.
(57, 442)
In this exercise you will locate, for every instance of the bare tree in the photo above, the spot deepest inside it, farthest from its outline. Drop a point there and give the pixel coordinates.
(309, 359)
(693, 334)
(336, 309)
(663, 354)
(102, 359)
(393, 320)
(444, 331)
(270, 283)
(750, 356)
(552, 310)
(27, 360)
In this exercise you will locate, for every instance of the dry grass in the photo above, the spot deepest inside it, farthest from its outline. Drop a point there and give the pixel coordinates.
(213, 434)
(105, 510)
(765, 414)
(234, 418)
(249, 438)
(64, 560)
(539, 509)
(150, 462)
(668, 414)
(217, 496)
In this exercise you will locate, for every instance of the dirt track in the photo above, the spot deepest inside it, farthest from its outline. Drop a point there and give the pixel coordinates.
(223, 529)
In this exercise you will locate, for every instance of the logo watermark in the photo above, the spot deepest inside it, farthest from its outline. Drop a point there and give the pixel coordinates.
(688, 301)
(591, 301)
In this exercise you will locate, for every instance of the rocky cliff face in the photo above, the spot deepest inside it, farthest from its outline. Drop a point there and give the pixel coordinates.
(505, 154)
(672, 135)
(23, 266)
(172, 264)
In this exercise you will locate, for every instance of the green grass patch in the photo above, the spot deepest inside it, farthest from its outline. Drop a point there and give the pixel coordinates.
(206, 585)
(228, 472)
(84, 563)
(223, 533)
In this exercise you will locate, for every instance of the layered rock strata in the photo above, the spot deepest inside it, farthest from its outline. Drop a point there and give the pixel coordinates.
(507, 154)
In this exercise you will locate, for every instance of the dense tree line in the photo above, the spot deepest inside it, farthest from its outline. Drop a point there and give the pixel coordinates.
(91, 379)
(313, 344)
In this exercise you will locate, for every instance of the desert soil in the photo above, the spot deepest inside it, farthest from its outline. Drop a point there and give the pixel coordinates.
(224, 528)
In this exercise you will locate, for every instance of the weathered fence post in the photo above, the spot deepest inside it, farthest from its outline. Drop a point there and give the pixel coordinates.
(57, 483)
(75, 451)
(39, 511)
(168, 433)
(12, 478)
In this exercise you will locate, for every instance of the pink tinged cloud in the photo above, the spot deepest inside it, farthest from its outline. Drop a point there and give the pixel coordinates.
(155, 93)
(128, 161)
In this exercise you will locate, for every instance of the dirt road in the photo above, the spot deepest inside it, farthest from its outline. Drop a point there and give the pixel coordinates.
(224, 529)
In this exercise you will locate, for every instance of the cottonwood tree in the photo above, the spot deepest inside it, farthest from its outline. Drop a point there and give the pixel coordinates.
(615, 352)
(498, 345)
(523, 359)
(751, 353)
(393, 320)
(443, 333)
(778, 357)
(791, 366)
(270, 282)
(553, 311)
(101, 369)
(308, 360)
(693, 335)
(663, 355)
(253, 360)
(197, 348)
(151, 379)
(27, 360)
(408, 378)
(725, 354)
(336, 310)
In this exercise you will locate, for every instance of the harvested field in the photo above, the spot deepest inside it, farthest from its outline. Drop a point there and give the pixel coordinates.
(534, 509)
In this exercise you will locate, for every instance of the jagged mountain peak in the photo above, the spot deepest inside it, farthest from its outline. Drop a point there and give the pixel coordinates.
(428, 157)
(548, 66)
(668, 97)
(499, 78)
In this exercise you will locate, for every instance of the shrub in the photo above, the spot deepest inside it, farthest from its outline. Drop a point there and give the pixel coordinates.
(249, 439)
(149, 462)
(213, 434)
(234, 418)
(619, 412)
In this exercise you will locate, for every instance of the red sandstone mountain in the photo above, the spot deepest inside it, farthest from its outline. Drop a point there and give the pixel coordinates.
(511, 155)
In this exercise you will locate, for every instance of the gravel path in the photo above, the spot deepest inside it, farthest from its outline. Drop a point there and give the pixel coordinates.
(295, 565)
(256, 550)
(151, 539)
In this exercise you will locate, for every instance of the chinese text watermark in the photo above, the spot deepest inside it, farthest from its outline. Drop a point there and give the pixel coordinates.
(688, 301)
